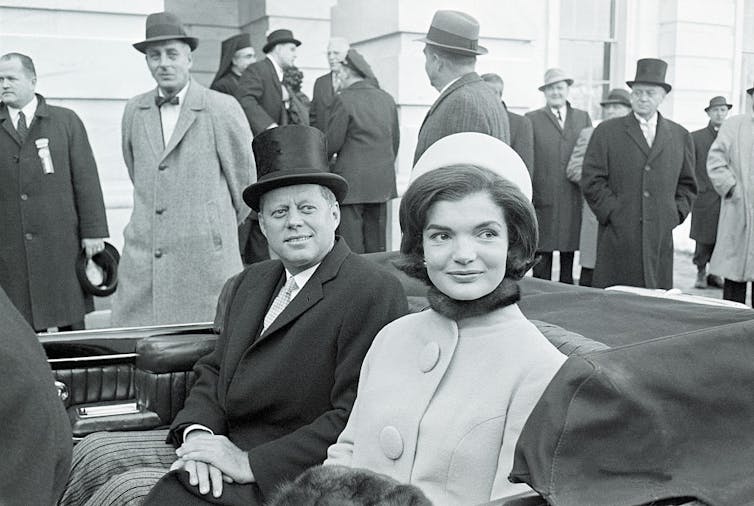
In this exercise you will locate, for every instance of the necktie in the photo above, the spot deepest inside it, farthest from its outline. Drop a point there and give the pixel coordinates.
(160, 101)
(282, 300)
(560, 118)
(648, 131)
(21, 127)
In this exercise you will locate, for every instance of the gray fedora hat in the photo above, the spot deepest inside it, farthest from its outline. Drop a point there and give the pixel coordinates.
(555, 75)
(715, 101)
(162, 26)
(454, 31)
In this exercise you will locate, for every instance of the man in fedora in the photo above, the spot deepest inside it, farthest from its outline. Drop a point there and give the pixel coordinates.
(236, 54)
(706, 210)
(188, 154)
(557, 200)
(51, 202)
(466, 103)
(279, 387)
(730, 163)
(327, 85)
(615, 105)
(638, 178)
(363, 132)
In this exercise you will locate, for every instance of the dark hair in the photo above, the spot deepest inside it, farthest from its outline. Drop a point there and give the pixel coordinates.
(25, 62)
(453, 183)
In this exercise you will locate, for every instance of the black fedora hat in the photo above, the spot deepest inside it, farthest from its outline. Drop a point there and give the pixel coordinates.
(715, 101)
(291, 155)
(279, 37)
(163, 26)
(454, 31)
(651, 71)
(107, 260)
(617, 96)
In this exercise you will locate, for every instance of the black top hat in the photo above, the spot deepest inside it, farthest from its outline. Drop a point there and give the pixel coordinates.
(454, 31)
(279, 37)
(228, 50)
(165, 26)
(617, 96)
(355, 61)
(715, 101)
(291, 155)
(750, 90)
(107, 260)
(651, 71)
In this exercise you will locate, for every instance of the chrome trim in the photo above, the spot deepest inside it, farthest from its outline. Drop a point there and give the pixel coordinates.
(94, 358)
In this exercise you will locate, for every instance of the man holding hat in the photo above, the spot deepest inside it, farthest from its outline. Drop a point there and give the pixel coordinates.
(466, 103)
(261, 92)
(236, 54)
(706, 210)
(638, 178)
(279, 387)
(730, 164)
(326, 86)
(188, 155)
(51, 204)
(616, 104)
(557, 200)
(363, 132)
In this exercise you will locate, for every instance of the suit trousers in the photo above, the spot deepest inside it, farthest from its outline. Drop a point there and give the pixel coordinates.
(702, 254)
(736, 291)
(543, 267)
(363, 226)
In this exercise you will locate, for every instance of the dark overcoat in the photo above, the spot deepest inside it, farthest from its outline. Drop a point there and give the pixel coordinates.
(43, 217)
(284, 396)
(227, 84)
(557, 200)
(260, 93)
(36, 437)
(363, 130)
(522, 138)
(639, 194)
(322, 98)
(467, 105)
(706, 210)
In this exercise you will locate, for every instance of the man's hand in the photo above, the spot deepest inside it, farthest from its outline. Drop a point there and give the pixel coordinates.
(203, 475)
(92, 246)
(218, 452)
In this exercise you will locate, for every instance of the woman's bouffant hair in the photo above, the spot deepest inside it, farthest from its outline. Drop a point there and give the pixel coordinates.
(453, 183)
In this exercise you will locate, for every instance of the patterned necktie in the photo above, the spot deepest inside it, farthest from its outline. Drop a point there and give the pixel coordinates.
(560, 118)
(21, 127)
(160, 101)
(282, 300)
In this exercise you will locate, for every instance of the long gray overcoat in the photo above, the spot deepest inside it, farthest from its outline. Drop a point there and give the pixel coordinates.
(639, 195)
(557, 200)
(181, 243)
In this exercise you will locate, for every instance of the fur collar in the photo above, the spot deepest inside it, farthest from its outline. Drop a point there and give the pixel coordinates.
(506, 293)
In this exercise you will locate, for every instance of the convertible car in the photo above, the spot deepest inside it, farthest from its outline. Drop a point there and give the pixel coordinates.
(652, 407)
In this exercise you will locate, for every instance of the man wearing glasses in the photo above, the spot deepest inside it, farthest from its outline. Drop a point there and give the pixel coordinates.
(638, 178)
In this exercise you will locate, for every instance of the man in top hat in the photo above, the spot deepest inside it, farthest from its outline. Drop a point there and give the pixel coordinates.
(46, 216)
(615, 105)
(261, 92)
(188, 155)
(466, 103)
(557, 200)
(730, 164)
(638, 178)
(327, 85)
(363, 133)
(522, 137)
(236, 54)
(279, 387)
(706, 210)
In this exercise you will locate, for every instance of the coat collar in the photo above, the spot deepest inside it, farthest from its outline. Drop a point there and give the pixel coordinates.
(463, 81)
(7, 125)
(554, 119)
(662, 135)
(712, 130)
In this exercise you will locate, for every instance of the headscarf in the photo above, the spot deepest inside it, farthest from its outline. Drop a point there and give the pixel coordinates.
(229, 48)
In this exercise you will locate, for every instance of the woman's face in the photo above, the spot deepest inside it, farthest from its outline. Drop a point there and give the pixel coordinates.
(466, 246)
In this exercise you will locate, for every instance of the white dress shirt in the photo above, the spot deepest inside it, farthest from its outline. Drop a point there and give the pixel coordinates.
(169, 113)
(648, 127)
(29, 110)
(279, 72)
(563, 109)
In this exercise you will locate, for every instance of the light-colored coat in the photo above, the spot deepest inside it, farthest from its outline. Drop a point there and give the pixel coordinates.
(441, 404)
(181, 243)
(730, 163)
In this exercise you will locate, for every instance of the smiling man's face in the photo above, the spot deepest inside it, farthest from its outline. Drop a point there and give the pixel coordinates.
(299, 223)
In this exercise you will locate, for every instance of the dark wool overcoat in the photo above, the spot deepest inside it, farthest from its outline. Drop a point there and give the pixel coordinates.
(284, 396)
(43, 217)
(322, 98)
(260, 93)
(706, 210)
(227, 84)
(363, 130)
(36, 437)
(467, 105)
(522, 138)
(557, 200)
(639, 194)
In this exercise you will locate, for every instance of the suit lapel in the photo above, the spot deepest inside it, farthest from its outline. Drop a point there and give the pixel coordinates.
(150, 119)
(662, 138)
(194, 102)
(554, 119)
(634, 132)
(8, 124)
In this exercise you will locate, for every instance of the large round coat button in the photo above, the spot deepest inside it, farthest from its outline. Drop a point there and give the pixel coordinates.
(429, 356)
(158, 253)
(391, 442)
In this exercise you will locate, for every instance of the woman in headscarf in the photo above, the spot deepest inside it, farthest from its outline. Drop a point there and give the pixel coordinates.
(235, 56)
